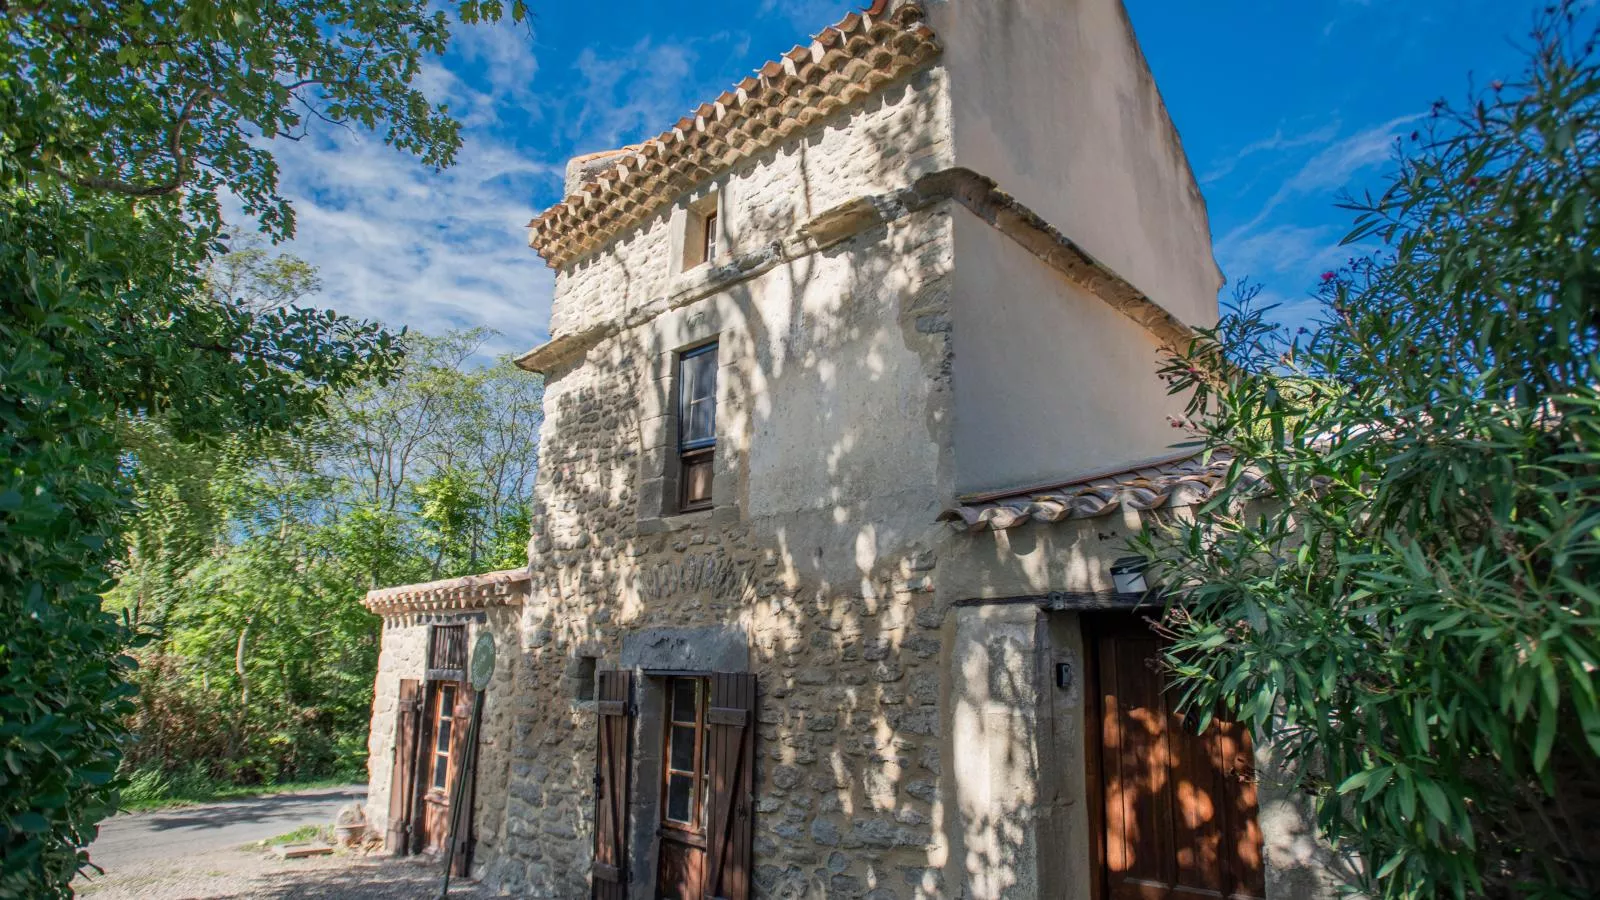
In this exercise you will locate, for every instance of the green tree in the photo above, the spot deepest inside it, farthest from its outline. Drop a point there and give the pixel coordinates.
(121, 123)
(1397, 588)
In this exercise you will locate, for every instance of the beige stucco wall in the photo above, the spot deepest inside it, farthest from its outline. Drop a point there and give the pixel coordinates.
(1053, 99)
(1050, 381)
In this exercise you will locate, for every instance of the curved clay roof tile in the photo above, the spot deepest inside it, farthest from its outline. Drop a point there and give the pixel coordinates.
(844, 63)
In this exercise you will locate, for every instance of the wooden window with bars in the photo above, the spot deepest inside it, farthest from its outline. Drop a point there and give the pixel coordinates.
(697, 426)
(447, 653)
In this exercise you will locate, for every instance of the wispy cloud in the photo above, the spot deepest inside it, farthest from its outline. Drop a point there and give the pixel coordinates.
(1277, 143)
(1331, 169)
(628, 95)
(807, 17)
(1290, 238)
(398, 242)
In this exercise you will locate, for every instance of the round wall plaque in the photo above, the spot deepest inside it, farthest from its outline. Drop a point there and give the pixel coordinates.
(482, 666)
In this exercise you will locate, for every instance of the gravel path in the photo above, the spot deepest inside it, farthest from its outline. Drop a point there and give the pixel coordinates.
(210, 853)
(240, 873)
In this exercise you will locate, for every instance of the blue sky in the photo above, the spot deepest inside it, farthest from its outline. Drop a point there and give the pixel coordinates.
(1280, 105)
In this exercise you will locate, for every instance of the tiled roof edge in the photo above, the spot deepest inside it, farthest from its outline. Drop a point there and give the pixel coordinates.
(844, 64)
(1185, 481)
(503, 588)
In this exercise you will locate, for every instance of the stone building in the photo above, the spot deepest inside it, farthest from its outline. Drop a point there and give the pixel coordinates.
(850, 405)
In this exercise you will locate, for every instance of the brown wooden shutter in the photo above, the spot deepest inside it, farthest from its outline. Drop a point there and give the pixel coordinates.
(464, 751)
(404, 777)
(731, 727)
(612, 756)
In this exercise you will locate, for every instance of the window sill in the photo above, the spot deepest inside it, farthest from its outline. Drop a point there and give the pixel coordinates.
(678, 521)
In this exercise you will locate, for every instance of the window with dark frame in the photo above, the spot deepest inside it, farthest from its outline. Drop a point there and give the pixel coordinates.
(697, 426)
(687, 753)
(443, 725)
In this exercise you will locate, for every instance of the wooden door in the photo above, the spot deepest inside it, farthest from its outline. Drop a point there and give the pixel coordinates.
(443, 752)
(609, 875)
(402, 785)
(1179, 808)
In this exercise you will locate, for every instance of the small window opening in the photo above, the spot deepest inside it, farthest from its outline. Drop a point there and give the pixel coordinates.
(447, 653)
(708, 251)
(702, 233)
(697, 426)
(585, 677)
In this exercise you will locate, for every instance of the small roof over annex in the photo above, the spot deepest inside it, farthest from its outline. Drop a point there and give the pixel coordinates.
(508, 587)
(1186, 479)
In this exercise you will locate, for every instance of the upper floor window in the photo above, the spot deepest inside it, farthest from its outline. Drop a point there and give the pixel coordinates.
(708, 239)
(697, 426)
(702, 232)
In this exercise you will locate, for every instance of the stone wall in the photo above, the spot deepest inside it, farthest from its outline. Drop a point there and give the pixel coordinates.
(403, 655)
(887, 142)
(834, 398)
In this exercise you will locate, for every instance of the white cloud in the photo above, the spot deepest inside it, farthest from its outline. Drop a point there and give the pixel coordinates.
(1291, 250)
(630, 95)
(396, 241)
(1332, 167)
(808, 17)
(1277, 143)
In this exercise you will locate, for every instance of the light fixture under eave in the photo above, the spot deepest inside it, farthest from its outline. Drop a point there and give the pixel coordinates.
(1127, 575)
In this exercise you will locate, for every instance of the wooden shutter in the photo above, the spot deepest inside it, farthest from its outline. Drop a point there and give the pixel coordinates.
(611, 770)
(731, 729)
(404, 776)
(463, 755)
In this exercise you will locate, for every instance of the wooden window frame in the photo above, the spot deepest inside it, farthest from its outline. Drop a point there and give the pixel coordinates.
(696, 827)
(708, 236)
(702, 452)
(442, 712)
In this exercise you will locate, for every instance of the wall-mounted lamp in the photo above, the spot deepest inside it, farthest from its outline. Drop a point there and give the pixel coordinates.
(1127, 574)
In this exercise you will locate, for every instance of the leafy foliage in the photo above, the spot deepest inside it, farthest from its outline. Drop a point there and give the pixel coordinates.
(245, 563)
(1411, 615)
(121, 123)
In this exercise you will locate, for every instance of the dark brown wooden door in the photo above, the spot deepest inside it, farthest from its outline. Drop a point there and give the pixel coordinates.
(614, 696)
(685, 780)
(1179, 808)
(402, 785)
(707, 788)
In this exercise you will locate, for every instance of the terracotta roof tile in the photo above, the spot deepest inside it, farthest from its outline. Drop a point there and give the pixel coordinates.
(846, 62)
(1167, 483)
(502, 588)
